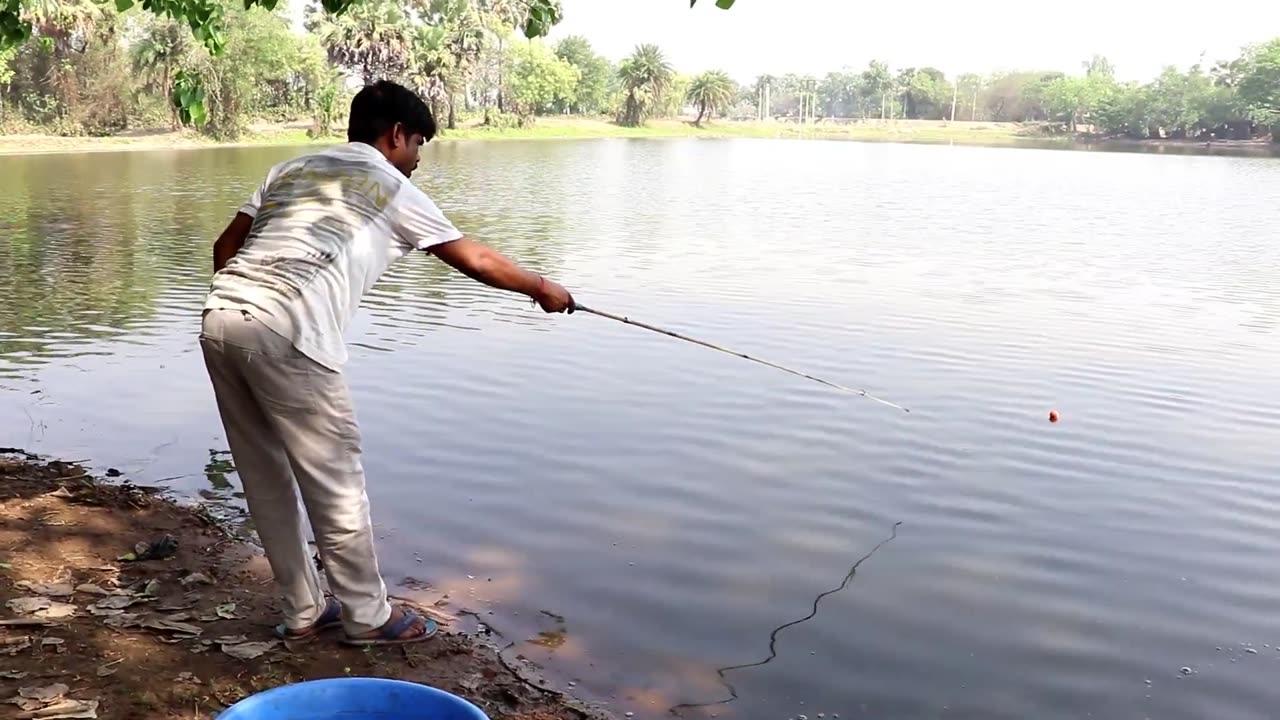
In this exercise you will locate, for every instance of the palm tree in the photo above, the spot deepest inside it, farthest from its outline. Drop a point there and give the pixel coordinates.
(498, 17)
(445, 51)
(646, 76)
(69, 24)
(764, 84)
(157, 54)
(372, 38)
(711, 91)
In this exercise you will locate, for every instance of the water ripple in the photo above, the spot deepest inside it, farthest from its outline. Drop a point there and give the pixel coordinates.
(675, 504)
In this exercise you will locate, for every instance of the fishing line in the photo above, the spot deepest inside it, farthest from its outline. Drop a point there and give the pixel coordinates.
(744, 356)
(773, 636)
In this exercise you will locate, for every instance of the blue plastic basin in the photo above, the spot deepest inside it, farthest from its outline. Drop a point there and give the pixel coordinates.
(352, 699)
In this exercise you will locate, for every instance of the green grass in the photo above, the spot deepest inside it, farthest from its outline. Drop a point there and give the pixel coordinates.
(586, 128)
(558, 127)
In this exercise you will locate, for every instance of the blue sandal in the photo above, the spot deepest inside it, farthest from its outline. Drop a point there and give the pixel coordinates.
(390, 634)
(330, 618)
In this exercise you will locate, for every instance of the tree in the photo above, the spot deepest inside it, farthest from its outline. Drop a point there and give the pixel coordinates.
(374, 40)
(75, 77)
(6, 67)
(968, 86)
(1259, 85)
(264, 65)
(446, 51)
(673, 101)
(1125, 111)
(538, 79)
(1068, 99)
(839, 94)
(1018, 96)
(806, 89)
(924, 92)
(764, 85)
(206, 17)
(646, 77)
(157, 55)
(876, 83)
(594, 72)
(1099, 67)
(711, 92)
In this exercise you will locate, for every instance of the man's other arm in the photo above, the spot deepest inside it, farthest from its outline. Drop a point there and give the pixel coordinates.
(231, 240)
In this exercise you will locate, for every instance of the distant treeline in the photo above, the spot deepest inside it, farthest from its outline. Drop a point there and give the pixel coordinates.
(89, 68)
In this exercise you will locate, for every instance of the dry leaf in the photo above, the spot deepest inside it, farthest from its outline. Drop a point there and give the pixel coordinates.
(93, 589)
(227, 611)
(57, 610)
(46, 589)
(17, 622)
(186, 677)
(46, 694)
(162, 623)
(228, 640)
(61, 492)
(25, 703)
(123, 620)
(13, 646)
(109, 668)
(116, 602)
(13, 674)
(194, 578)
(51, 641)
(28, 605)
(248, 651)
(103, 612)
(66, 710)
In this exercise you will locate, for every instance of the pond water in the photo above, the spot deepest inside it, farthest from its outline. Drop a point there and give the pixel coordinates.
(648, 511)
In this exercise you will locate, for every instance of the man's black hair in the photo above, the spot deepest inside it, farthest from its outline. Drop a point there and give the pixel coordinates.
(378, 107)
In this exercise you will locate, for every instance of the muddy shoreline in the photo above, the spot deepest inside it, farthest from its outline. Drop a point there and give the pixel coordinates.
(188, 635)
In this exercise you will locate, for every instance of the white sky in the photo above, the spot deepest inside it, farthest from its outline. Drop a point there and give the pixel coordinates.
(816, 36)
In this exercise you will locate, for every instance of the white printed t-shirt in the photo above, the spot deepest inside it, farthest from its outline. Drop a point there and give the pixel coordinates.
(326, 226)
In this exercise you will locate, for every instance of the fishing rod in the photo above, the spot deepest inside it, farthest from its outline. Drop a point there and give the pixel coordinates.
(704, 343)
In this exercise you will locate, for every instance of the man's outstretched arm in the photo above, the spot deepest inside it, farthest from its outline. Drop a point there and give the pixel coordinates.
(484, 264)
(231, 240)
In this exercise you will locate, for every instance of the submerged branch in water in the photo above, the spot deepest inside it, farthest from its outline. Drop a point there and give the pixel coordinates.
(773, 636)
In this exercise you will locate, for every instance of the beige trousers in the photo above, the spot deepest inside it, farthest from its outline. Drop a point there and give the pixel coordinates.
(292, 431)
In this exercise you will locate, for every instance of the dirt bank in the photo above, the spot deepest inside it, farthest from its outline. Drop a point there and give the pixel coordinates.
(188, 635)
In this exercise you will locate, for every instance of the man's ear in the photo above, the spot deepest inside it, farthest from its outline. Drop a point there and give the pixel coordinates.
(398, 137)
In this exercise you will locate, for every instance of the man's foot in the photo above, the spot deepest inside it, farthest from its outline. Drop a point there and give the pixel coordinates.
(404, 626)
(330, 617)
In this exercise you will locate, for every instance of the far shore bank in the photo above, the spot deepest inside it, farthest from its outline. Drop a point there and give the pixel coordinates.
(563, 128)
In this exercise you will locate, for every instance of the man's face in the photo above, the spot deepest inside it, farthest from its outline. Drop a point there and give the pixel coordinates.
(405, 152)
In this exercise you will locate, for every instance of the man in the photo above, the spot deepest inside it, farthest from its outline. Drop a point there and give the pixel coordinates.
(289, 272)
